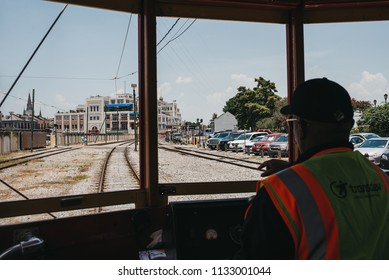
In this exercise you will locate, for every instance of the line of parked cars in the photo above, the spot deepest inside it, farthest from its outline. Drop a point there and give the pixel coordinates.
(262, 142)
(371, 145)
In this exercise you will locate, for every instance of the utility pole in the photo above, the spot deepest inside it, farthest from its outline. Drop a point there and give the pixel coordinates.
(135, 128)
(32, 120)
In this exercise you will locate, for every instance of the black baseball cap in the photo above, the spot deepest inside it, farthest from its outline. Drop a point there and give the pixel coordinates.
(320, 100)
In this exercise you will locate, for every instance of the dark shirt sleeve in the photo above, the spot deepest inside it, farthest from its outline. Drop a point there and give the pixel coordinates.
(265, 235)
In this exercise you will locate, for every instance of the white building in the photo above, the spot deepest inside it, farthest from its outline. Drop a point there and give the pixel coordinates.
(225, 121)
(93, 118)
(169, 116)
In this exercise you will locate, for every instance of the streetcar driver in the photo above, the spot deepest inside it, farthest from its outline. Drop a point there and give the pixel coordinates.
(332, 203)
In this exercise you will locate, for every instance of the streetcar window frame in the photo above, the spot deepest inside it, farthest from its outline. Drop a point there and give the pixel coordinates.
(44, 204)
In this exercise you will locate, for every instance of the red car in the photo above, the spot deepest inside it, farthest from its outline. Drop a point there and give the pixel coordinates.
(264, 144)
(264, 130)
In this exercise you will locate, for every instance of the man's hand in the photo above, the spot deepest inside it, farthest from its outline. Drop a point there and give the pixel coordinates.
(272, 166)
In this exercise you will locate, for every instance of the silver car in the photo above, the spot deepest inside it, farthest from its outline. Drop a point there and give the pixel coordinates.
(279, 147)
(373, 148)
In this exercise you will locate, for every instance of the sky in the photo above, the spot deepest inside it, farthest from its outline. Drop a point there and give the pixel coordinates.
(201, 63)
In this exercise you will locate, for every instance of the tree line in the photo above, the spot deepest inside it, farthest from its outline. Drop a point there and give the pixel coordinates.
(260, 106)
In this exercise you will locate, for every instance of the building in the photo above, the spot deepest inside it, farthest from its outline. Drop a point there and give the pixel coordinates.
(120, 118)
(225, 121)
(100, 115)
(24, 122)
(72, 121)
(169, 116)
(94, 115)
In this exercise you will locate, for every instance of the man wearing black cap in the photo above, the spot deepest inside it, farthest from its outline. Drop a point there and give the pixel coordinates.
(332, 203)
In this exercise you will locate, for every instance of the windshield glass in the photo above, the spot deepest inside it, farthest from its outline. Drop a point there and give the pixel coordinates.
(372, 135)
(270, 138)
(258, 138)
(234, 135)
(243, 136)
(377, 143)
(282, 138)
(222, 135)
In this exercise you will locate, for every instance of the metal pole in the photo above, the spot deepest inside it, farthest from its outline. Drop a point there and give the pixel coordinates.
(135, 124)
(32, 120)
(135, 128)
(86, 129)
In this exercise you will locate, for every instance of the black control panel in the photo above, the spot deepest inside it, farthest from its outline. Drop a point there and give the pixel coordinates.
(207, 229)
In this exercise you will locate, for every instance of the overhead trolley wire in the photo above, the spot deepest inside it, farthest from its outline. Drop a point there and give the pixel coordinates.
(121, 55)
(33, 54)
(89, 78)
(176, 37)
(171, 28)
(36, 101)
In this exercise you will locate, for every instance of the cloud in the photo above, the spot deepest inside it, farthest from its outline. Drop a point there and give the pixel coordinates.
(369, 87)
(63, 103)
(184, 80)
(219, 99)
(242, 79)
(164, 89)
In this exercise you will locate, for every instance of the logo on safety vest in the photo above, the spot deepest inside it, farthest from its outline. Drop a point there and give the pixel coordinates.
(339, 189)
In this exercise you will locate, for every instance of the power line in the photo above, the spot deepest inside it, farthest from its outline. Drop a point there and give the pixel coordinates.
(124, 45)
(61, 78)
(42, 103)
(171, 28)
(33, 54)
(121, 55)
(174, 38)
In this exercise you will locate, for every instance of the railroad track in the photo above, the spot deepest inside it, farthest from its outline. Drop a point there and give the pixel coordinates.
(117, 172)
(236, 161)
(117, 169)
(36, 155)
(20, 160)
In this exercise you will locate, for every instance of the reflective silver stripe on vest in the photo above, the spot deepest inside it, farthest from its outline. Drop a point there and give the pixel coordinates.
(313, 224)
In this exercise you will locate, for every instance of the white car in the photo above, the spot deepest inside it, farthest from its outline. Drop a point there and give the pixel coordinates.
(373, 148)
(250, 143)
(239, 143)
(358, 138)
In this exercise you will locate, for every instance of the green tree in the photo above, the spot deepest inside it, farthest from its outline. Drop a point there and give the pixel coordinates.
(377, 119)
(251, 105)
(277, 121)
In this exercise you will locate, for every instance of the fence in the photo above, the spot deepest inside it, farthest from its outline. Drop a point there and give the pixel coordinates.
(13, 141)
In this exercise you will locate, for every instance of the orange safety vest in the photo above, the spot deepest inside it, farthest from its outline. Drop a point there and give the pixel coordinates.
(335, 205)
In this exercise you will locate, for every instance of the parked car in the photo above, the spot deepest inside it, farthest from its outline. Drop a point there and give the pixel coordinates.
(358, 138)
(223, 143)
(249, 144)
(213, 142)
(279, 147)
(264, 130)
(177, 138)
(263, 145)
(239, 143)
(373, 148)
(384, 162)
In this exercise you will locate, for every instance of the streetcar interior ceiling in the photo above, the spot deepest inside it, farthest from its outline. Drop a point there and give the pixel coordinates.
(289, 19)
